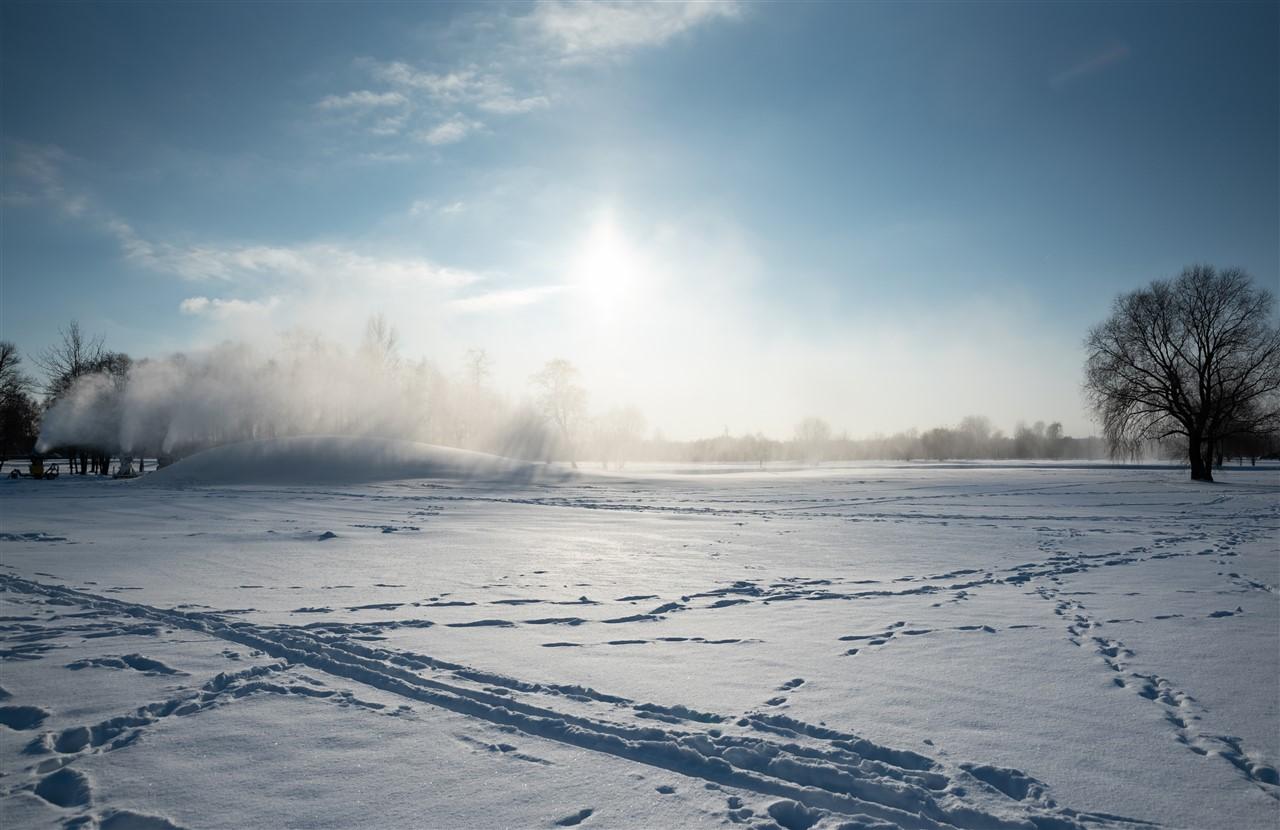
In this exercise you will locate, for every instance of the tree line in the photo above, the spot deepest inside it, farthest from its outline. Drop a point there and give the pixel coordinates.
(1188, 367)
(75, 356)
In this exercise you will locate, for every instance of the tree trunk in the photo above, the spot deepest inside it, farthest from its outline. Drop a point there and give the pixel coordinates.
(1200, 470)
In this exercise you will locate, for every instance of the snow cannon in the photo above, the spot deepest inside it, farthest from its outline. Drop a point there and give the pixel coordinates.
(36, 469)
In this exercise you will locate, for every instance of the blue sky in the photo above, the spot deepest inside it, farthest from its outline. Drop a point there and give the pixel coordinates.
(733, 215)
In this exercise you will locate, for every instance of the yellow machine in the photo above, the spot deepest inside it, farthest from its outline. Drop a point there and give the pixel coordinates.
(36, 469)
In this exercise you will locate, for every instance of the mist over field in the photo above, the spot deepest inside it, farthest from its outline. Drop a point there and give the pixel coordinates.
(307, 385)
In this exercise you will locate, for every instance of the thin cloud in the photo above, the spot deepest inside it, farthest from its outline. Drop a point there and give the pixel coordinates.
(468, 87)
(580, 31)
(509, 105)
(33, 174)
(222, 309)
(451, 131)
(499, 300)
(1094, 63)
(512, 65)
(309, 264)
(426, 207)
(362, 99)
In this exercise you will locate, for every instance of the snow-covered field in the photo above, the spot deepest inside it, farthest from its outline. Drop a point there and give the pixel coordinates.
(883, 646)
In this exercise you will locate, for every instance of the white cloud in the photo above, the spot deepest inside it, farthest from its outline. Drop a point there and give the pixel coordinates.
(220, 309)
(317, 263)
(483, 90)
(497, 300)
(581, 31)
(451, 131)
(512, 63)
(391, 125)
(362, 99)
(426, 207)
(384, 158)
(450, 86)
(508, 105)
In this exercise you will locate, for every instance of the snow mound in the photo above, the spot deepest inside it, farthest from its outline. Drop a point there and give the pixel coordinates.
(335, 459)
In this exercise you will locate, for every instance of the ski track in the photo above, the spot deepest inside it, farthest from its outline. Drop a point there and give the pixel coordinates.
(813, 771)
(791, 589)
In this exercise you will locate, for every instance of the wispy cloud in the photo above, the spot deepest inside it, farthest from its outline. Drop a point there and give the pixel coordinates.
(40, 168)
(33, 174)
(362, 99)
(504, 104)
(451, 131)
(498, 300)
(584, 31)
(222, 309)
(513, 64)
(426, 207)
(1092, 64)
(306, 264)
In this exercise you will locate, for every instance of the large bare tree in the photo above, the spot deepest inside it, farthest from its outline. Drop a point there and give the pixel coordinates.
(1196, 357)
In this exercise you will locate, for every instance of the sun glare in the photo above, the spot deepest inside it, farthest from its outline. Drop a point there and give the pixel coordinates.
(606, 270)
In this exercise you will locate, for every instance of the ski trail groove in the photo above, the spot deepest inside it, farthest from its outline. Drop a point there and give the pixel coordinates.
(817, 768)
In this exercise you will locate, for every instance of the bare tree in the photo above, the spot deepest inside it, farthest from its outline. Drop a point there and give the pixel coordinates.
(67, 360)
(562, 401)
(1196, 357)
(19, 414)
(478, 366)
(939, 443)
(812, 437)
(618, 433)
(381, 343)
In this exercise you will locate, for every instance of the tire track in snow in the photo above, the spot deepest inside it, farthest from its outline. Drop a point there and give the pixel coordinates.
(821, 770)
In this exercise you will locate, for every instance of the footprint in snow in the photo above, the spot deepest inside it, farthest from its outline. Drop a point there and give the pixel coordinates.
(129, 820)
(576, 818)
(65, 788)
(21, 718)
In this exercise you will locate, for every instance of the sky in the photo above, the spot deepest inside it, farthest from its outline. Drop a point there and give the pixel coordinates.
(732, 215)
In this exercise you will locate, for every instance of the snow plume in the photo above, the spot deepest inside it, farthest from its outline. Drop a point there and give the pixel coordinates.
(234, 392)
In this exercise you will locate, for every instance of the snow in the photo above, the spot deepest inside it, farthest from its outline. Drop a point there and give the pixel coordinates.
(415, 638)
(333, 459)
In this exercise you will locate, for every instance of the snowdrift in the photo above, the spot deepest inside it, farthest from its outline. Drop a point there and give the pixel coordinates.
(335, 459)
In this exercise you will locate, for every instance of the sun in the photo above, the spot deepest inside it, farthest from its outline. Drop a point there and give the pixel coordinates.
(606, 268)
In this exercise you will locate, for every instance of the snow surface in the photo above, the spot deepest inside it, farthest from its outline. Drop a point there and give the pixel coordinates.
(331, 459)
(883, 646)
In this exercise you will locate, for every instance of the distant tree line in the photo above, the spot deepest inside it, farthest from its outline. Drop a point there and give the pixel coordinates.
(1185, 368)
(813, 442)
